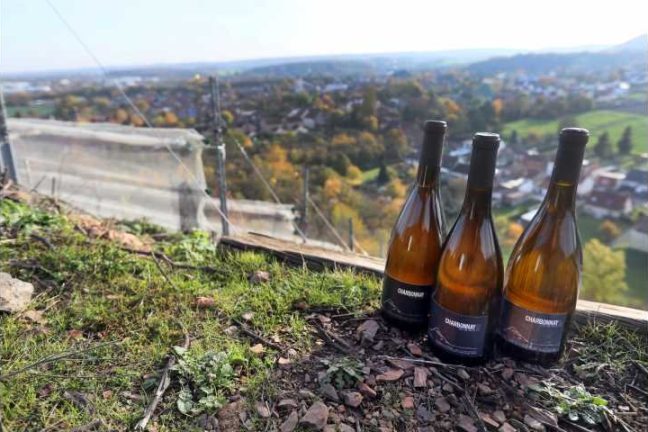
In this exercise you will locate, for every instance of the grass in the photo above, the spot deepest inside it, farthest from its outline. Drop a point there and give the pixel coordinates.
(92, 292)
(597, 122)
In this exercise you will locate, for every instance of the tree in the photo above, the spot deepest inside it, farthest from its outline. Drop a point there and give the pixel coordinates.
(603, 147)
(383, 174)
(625, 143)
(609, 230)
(395, 145)
(603, 273)
(513, 140)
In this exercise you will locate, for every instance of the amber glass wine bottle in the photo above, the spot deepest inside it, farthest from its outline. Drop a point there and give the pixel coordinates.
(415, 246)
(469, 282)
(544, 271)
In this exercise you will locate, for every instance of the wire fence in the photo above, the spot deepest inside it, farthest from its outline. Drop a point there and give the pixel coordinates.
(151, 173)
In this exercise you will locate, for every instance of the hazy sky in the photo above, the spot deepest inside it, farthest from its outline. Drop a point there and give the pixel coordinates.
(126, 32)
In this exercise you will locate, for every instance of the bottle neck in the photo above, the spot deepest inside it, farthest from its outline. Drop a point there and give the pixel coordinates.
(430, 158)
(561, 196)
(477, 202)
(427, 175)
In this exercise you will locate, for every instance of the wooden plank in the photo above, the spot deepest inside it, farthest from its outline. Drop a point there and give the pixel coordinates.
(317, 258)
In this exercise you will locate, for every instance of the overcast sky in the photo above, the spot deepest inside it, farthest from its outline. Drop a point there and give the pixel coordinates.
(140, 32)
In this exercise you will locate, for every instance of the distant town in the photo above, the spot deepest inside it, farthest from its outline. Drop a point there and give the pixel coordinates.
(358, 128)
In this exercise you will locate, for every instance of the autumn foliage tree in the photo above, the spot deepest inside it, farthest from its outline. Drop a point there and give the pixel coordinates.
(603, 273)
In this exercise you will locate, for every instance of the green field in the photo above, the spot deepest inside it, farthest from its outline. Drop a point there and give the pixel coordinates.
(29, 111)
(596, 121)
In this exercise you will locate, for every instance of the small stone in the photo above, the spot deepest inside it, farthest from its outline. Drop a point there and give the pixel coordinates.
(257, 349)
(15, 294)
(420, 377)
(262, 410)
(442, 404)
(507, 373)
(284, 363)
(466, 423)
(507, 428)
(306, 394)
(483, 389)
(231, 330)
(407, 402)
(259, 276)
(624, 408)
(415, 349)
(447, 388)
(247, 316)
(378, 346)
(533, 423)
(488, 420)
(287, 404)
(290, 424)
(367, 331)
(499, 416)
(353, 399)
(366, 390)
(461, 373)
(329, 392)
(391, 375)
(315, 417)
(343, 427)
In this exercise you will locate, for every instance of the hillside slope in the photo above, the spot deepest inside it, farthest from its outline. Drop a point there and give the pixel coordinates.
(264, 346)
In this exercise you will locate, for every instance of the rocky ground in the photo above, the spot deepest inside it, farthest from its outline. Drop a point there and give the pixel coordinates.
(116, 326)
(366, 376)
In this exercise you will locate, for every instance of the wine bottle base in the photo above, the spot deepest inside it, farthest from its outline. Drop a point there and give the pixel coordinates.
(408, 324)
(450, 358)
(507, 349)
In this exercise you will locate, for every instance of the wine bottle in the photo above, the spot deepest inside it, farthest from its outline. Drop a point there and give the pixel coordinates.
(415, 244)
(469, 282)
(544, 272)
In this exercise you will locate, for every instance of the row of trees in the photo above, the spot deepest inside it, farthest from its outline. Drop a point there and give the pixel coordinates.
(604, 150)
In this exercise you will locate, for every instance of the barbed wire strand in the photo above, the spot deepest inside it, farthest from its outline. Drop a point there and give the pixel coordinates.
(328, 224)
(134, 107)
(260, 175)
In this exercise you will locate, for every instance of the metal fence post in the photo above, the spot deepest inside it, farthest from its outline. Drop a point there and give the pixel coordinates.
(351, 242)
(7, 162)
(304, 215)
(222, 187)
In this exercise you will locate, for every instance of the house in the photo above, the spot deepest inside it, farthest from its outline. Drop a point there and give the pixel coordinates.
(608, 180)
(636, 180)
(637, 236)
(514, 192)
(608, 204)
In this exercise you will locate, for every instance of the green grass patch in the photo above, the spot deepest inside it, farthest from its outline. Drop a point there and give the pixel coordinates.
(119, 317)
(597, 122)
